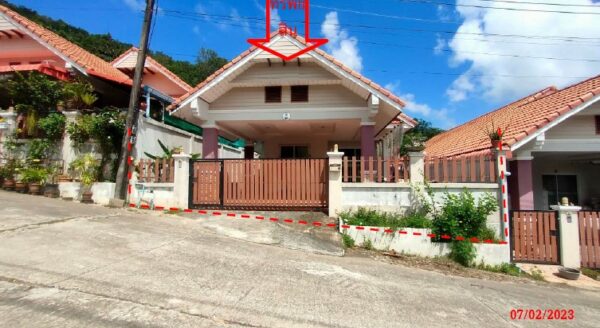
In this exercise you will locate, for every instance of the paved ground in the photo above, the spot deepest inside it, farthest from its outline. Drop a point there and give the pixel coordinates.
(70, 265)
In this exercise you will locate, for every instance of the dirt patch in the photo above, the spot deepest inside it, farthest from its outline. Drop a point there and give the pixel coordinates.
(441, 265)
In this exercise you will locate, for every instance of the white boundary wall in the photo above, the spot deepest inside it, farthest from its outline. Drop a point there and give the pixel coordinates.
(150, 131)
(491, 254)
(401, 197)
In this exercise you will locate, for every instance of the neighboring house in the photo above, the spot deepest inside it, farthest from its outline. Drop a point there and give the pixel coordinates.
(553, 143)
(294, 109)
(26, 46)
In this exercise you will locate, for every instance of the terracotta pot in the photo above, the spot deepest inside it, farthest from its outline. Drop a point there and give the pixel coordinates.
(496, 144)
(35, 188)
(64, 178)
(86, 197)
(8, 184)
(51, 190)
(21, 187)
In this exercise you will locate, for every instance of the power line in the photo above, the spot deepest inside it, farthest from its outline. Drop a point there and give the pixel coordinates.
(502, 8)
(540, 3)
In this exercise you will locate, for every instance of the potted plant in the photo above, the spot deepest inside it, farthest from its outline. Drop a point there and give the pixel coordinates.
(51, 189)
(20, 185)
(34, 176)
(8, 174)
(416, 143)
(86, 167)
(495, 135)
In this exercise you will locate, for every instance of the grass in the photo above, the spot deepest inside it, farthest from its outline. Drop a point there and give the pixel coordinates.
(536, 274)
(505, 268)
(347, 240)
(592, 273)
(368, 245)
(368, 217)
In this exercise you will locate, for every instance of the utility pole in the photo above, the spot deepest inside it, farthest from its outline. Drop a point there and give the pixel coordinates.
(132, 112)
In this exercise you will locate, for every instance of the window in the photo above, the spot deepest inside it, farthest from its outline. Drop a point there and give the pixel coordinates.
(351, 152)
(272, 94)
(559, 186)
(290, 152)
(300, 93)
(597, 117)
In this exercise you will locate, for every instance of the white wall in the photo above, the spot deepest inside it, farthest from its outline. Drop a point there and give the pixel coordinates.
(401, 197)
(491, 254)
(150, 131)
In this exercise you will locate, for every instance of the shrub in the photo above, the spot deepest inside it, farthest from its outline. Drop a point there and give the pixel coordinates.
(488, 233)
(368, 244)
(368, 217)
(463, 252)
(34, 175)
(506, 268)
(39, 149)
(53, 126)
(347, 240)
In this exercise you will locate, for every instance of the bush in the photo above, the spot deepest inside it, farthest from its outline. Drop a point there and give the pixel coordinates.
(347, 240)
(506, 268)
(39, 149)
(488, 233)
(463, 252)
(53, 126)
(368, 217)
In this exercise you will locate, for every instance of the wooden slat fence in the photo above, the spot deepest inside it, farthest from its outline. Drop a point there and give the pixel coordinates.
(383, 170)
(480, 168)
(535, 237)
(589, 239)
(156, 171)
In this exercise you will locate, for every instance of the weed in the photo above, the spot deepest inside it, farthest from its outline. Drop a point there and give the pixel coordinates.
(536, 274)
(506, 268)
(347, 240)
(463, 252)
(594, 274)
(368, 245)
(368, 217)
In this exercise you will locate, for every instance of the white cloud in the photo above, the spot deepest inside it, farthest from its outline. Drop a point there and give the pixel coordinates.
(486, 74)
(440, 45)
(341, 45)
(440, 117)
(233, 19)
(239, 20)
(275, 17)
(135, 5)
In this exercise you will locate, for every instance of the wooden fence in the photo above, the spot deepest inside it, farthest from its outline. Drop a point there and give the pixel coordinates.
(535, 237)
(589, 239)
(375, 169)
(464, 169)
(156, 170)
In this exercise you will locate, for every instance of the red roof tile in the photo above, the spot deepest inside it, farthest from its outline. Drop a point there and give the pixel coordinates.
(320, 52)
(91, 63)
(518, 119)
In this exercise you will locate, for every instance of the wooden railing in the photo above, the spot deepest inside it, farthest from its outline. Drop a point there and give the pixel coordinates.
(464, 169)
(384, 170)
(156, 170)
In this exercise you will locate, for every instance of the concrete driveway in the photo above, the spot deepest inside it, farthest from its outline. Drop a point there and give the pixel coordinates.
(70, 265)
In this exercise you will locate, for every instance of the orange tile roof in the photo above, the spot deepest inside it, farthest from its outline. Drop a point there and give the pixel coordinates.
(518, 119)
(156, 64)
(91, 63)
(357, 75)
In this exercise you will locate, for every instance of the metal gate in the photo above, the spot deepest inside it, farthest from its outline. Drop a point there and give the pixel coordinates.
(291, 184)
(535, 237)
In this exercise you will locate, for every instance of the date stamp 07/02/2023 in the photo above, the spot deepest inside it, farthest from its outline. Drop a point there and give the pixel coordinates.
(542, 314)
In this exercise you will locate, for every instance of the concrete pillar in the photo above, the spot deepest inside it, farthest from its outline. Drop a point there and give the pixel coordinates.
(210, 143)
(181, 189)
(502, 174)
(568, 227)
(367, 140)
(69, 153)
(7, 128)
(335, 182)
(417, 167)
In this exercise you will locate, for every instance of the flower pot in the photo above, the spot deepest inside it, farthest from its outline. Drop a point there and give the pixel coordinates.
(51, 190)
(568, 273)
(64, 178)
(8, 184)
(35, 188)
(86, 197)
(21, 187)
(496, 144)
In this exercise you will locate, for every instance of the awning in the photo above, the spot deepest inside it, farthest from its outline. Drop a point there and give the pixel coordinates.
(192, 128)
(48, 69)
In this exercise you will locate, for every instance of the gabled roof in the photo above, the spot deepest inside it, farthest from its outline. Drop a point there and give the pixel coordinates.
(518, 120)
(322, 53)
(151, 62)
(92, 64)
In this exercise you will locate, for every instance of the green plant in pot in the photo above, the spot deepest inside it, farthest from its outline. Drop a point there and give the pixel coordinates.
(20, 185)
(86, 168)
(51, 188)
(34, 176)
(8, 172)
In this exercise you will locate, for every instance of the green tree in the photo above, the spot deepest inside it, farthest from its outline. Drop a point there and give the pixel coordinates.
(421, 133)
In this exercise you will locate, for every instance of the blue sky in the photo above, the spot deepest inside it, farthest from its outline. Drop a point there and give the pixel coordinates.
(412, 48)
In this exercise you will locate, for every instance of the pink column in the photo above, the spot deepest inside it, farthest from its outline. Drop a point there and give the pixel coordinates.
(521, 182)
(367, 140)
(210, 143)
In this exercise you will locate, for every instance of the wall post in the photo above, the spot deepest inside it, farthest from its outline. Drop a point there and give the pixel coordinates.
(69, 153)
(502, 176)
(181, 186)
(8, 126)
(335, 182)
(417, 166)
(568, 227)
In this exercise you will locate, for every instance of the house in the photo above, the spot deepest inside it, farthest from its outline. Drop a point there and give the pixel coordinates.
(291, 109)
(26, 46)
(553, 142)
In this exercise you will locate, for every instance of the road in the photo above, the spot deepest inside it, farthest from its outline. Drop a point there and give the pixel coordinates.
(65, 264)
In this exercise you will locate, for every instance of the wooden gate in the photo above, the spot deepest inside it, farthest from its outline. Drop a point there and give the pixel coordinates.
(206, 183)
(292, 184)
(535, 237)
(589, 239)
